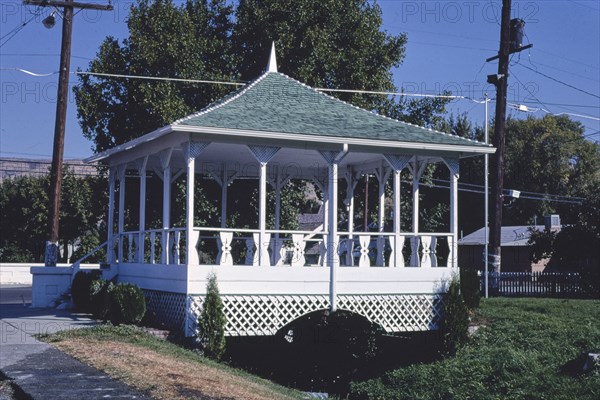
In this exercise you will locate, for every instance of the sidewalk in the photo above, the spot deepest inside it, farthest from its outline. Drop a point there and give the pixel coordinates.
(42, 371)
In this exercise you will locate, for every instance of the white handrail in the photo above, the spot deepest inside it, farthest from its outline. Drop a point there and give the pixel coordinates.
(77, 263)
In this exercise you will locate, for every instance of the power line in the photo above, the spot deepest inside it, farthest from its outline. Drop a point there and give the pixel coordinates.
(559, 81)
(18, 29)
(157, 78)
(386, 93)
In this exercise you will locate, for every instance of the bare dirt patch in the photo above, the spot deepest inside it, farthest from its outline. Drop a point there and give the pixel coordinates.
(163, 376)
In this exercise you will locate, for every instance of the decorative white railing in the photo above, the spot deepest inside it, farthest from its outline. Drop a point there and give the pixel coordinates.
(228, 247)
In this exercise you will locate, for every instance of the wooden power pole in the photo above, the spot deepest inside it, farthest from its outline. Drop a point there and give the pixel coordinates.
(499, 135)
(51, 254)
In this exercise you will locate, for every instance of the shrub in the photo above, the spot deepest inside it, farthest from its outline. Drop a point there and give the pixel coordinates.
(470, 287)
(100, 294)
(455, 321)
(211, 322)
(80, 289)
(127, 304)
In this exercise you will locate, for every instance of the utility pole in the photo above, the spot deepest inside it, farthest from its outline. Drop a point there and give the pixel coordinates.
(51, 254)
(511, 37)
(499, 139)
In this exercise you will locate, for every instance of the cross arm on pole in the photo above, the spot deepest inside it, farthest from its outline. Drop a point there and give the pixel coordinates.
(74, 4)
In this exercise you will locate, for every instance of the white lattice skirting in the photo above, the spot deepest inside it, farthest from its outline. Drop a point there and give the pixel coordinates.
(265, 315)
(166, 307)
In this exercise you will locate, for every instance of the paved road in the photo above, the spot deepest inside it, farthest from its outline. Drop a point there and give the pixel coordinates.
(39, 369)
(15, 294)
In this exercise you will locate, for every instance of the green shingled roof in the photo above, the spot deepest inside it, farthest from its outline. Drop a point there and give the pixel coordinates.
(277, 103)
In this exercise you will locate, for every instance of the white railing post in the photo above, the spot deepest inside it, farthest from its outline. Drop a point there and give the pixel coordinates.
(224, 243)
(298, 259)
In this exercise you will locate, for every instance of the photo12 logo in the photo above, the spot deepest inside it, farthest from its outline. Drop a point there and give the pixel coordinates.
(516, 91)
(464, 11)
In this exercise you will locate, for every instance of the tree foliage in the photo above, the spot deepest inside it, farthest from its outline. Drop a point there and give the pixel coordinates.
(549, 155)
(332, 44)
(24, 215)
(191, 41)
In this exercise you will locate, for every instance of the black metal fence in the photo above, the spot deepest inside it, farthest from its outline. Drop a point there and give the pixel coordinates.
(536, 284)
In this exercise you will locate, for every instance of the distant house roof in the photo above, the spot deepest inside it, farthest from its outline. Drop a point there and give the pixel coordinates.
(510, 236)
(309, 222)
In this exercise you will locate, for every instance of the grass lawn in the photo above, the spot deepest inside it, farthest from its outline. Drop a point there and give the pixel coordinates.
(161, 369)
(526, 349)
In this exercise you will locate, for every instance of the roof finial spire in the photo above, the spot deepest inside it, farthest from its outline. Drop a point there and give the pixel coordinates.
(272, 65)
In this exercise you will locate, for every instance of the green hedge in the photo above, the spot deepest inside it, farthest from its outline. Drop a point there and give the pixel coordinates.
(80, 289)
(470, 287)
(127, 304)
(100, 292)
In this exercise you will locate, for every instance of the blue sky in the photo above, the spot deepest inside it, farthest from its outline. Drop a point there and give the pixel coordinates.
(448, 42)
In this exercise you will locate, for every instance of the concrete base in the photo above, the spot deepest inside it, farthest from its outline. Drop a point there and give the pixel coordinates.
(49, 284)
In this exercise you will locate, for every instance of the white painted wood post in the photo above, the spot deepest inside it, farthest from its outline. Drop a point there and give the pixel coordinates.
(165, 160)
(333, 159)
(110, 250)
(332, 236)
(396, 259)
(414, 256)
(453, 166)
(141, 165)
(190, 248)
(398, 163)
(224, 184)
(263, 256)
(277, 242)
(191, 151)
(382, 177)
(263, 155)
(121, 222)
(351, 185)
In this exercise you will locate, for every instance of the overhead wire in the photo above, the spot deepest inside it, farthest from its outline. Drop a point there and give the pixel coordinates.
(13, 32)
(559, 81)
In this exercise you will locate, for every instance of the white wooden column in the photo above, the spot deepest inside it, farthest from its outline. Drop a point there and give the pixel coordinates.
(453, 165)
(398, 163)
(418, 167)
(351, 183)
(263, 155)
(165, 162)
(110, 250)
(224, 185)
(333, 159)
(191, 150)
(121, 222)
(382, 175)
(277, 182)
(141, 167)
(323, 185)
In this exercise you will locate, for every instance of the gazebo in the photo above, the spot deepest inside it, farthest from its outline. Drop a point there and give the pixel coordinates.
(272, 130)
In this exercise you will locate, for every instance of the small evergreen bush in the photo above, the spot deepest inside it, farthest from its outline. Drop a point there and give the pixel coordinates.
(80, 289)
(127, 304)
(455, 321)
(470, 287)
(100, 293)
(211, 323)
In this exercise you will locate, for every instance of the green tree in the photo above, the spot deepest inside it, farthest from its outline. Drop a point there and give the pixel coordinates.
(211, 322)
(191, 41)
(24, 215)
(549, 155)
